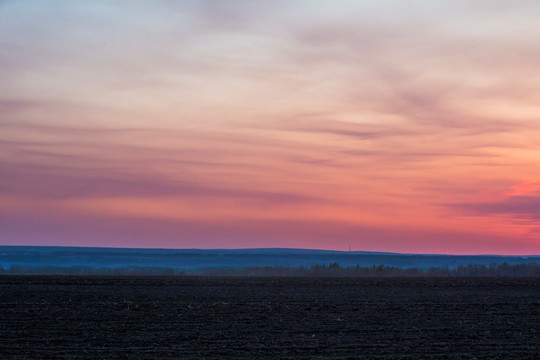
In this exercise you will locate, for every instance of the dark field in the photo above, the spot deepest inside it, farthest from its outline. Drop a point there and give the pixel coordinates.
(233, 318)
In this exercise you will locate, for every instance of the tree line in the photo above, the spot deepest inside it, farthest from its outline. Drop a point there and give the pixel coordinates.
(330, 270)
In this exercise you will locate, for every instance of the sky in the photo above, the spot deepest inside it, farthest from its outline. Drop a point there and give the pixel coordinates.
(401, 126)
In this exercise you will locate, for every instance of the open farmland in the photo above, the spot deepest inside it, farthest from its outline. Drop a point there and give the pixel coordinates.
(271, 318)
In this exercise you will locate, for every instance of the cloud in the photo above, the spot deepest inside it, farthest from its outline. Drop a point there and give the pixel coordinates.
(48, 182)
(519, 207)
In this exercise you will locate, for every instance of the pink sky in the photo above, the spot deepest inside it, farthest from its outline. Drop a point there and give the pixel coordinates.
(382, 125)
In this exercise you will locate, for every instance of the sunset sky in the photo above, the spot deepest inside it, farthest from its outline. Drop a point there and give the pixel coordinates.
(402, 126)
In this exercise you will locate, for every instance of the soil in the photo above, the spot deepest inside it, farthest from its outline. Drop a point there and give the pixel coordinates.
(268, 318)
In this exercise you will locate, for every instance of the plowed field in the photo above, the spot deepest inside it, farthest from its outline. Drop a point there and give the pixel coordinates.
(246, 318)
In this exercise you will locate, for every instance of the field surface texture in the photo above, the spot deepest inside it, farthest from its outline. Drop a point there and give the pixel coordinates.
(271, 318)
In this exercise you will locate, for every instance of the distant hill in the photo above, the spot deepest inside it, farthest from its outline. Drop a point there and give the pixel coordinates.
(193, 259)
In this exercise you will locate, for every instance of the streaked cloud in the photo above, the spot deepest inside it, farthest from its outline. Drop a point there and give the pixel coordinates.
(519, 207)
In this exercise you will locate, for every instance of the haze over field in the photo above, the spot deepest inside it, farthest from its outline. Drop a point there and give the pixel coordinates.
(48, 259)
(377, 125)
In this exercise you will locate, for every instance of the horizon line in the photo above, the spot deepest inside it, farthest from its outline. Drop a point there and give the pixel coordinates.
(269, 248)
